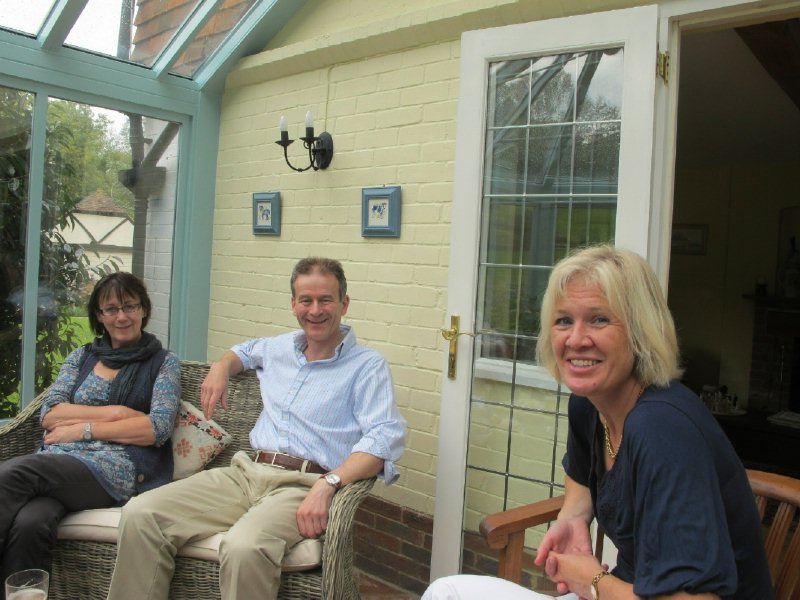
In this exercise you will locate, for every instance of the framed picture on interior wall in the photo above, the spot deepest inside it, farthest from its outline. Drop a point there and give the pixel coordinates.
(267, 213)
(689, 239)
(380, 211)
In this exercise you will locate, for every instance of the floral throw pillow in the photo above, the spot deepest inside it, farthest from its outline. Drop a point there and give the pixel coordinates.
(195, 441)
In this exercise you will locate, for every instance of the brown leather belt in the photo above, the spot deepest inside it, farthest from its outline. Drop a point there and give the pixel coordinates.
(287, 461)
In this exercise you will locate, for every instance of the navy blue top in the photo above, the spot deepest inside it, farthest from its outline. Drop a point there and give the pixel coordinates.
(677, 503)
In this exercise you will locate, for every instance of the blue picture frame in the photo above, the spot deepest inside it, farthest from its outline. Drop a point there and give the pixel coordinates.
(267, 213)
(380, 211)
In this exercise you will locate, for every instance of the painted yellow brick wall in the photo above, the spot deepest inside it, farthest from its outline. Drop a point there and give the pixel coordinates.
(383, 79)
(392, 118)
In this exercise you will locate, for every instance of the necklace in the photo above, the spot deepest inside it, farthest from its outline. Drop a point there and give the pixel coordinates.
(609, 448)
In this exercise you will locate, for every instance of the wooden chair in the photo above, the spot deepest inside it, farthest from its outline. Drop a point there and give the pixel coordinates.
(777, 499)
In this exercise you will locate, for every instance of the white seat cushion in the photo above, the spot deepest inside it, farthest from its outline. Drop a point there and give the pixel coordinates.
(100, 525)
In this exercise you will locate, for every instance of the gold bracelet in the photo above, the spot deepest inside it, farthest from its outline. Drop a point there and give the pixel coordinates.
(595, 580)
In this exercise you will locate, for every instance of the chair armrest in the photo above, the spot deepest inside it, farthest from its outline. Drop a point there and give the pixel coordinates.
(338, 579)
(505, 531)
(22, 434)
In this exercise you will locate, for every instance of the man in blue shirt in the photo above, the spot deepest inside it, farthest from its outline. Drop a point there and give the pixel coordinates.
(329, 419)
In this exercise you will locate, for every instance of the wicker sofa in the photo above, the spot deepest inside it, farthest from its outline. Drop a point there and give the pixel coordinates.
(82, 567)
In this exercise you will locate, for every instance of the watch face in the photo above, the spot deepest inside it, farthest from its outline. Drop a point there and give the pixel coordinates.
(333, 479)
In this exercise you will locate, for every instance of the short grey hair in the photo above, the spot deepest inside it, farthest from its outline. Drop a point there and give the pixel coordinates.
(326, 266)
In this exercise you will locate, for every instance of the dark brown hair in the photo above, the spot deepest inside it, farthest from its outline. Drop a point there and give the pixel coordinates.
(123, 285)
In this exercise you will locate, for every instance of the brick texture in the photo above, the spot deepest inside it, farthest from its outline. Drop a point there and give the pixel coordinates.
(393, 543)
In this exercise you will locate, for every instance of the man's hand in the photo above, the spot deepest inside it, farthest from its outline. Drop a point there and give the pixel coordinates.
(213, 388)
(312, 515)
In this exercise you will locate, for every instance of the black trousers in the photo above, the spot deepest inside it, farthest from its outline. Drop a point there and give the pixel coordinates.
(36, 490)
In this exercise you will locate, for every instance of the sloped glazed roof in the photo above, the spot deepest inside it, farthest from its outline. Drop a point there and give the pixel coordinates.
(199, 40)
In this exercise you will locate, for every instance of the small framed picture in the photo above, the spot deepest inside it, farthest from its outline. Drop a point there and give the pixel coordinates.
(380, 211)
(267, 213)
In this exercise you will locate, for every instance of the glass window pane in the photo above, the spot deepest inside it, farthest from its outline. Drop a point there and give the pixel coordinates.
(509, 92)
(603, 96)
(210, 36)
(549, 160)
(551, 176)
(553, 89)
(507, 152)
(26, 16)
(16, 115)
(597, 158)
(99, 214)
(104, 27)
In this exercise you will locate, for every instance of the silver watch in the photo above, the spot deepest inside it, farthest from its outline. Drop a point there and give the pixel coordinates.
(87, 432)
(333, 480)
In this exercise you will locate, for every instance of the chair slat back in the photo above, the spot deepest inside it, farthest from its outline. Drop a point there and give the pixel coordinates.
(781, 529)
(777, 500)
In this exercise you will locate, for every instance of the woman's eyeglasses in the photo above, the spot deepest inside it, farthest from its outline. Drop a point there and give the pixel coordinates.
(112, 311)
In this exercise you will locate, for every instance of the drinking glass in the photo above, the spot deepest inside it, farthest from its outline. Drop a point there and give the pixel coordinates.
(30, 584)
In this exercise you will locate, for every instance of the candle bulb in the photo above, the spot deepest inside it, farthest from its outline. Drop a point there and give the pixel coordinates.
(309, 125)
(284, 127)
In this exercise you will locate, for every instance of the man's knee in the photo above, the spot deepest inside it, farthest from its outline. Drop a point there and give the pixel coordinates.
(137, 512)
(244, 550)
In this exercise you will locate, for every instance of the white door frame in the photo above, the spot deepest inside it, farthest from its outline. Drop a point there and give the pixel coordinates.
(635, 29)
(645, 200)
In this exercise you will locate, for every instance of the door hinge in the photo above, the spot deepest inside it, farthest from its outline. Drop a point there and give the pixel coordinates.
(662, 66)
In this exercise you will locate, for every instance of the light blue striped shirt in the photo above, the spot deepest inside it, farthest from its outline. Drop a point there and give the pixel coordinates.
(326, 409)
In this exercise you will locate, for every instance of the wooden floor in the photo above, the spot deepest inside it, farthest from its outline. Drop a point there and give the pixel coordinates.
(373, 589)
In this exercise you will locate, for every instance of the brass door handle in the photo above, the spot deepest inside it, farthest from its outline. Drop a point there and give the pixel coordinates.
(451, 335)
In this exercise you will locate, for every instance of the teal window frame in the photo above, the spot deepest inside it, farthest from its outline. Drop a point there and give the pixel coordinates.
(83, 77)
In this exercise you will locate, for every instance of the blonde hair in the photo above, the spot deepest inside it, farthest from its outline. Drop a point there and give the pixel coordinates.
(634, 296)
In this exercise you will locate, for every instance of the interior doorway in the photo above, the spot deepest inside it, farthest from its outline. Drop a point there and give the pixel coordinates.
(736, 171)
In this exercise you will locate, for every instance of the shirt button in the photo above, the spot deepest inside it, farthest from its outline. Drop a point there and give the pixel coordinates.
(140, 478)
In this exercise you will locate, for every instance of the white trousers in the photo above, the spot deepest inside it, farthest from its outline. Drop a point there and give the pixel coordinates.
(479, 587)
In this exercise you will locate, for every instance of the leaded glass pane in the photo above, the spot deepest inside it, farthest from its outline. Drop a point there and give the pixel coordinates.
(551, 177)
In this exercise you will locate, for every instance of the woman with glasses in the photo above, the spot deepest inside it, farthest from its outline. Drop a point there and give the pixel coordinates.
(108, 419)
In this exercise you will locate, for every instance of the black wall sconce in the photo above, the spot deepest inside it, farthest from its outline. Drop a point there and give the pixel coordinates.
(320, 148)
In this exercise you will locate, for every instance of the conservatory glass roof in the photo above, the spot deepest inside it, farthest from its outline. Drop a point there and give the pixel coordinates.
(194, 39)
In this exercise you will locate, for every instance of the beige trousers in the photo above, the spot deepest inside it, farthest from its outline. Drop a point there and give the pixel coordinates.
(256, 504)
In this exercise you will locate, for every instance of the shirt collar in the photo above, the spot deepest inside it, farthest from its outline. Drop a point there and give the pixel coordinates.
(348, 341)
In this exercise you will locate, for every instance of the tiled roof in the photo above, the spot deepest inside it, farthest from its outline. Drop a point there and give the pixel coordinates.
(99, 203)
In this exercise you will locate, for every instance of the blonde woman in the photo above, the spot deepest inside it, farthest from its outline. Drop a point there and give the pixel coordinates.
(644, 456)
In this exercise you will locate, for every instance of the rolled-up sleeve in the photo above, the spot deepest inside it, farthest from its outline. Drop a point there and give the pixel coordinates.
(380, 420)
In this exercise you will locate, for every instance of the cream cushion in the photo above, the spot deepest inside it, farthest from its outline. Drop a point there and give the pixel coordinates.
(196, 441)
(100, 525)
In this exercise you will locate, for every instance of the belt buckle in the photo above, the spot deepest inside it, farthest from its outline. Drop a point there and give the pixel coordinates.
(272, 462)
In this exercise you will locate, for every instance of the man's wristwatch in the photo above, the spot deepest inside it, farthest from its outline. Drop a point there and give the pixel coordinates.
(333, 480)
(87, 432)
(595, 581)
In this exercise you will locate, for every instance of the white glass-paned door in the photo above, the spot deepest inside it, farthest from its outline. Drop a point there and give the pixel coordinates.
(554, 146)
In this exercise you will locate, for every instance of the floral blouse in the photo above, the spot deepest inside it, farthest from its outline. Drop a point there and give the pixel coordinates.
(109, 461)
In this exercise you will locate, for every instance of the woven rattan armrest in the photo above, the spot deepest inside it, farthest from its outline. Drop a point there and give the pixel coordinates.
(22, 434)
